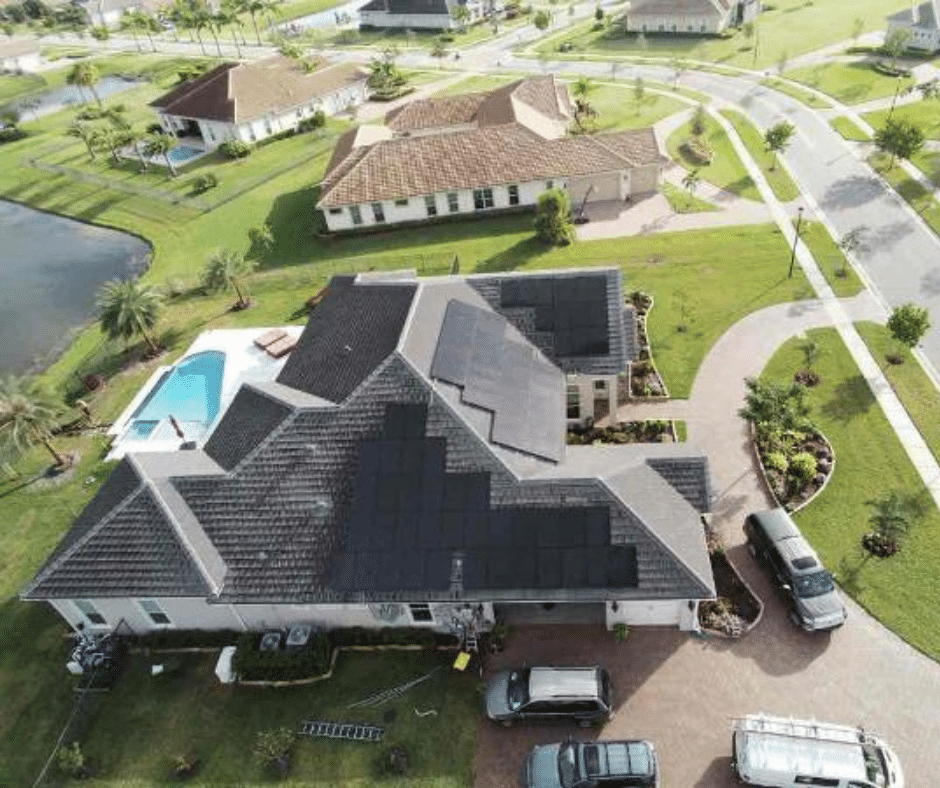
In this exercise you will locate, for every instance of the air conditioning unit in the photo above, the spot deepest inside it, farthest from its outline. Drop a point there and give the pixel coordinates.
(271, 641)
(299, 635)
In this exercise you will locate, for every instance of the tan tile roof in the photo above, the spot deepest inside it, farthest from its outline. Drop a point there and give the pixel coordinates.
(412, 166)
(236, 92)
(493, 108)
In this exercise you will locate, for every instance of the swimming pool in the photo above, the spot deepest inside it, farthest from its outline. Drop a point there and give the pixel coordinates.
(183, 153)
(190, 392)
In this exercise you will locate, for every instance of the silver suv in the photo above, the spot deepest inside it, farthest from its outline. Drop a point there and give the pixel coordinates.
(602, 764)
(808, 588)
(578, 694)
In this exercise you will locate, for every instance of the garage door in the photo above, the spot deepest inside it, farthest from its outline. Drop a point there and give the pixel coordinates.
(644, 180)
(606, 187)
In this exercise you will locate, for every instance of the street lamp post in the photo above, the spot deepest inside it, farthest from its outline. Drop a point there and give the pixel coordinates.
(897, 90)
(796, 240)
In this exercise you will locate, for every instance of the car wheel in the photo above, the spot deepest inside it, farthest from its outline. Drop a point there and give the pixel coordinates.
(795, 618)
(506, 723)
(752, 549)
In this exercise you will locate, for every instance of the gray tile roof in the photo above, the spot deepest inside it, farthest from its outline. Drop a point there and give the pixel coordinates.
(549, 314)
(923, 15)
(248, 420)
(274, 520)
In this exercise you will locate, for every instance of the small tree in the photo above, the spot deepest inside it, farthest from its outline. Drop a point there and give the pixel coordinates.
(777, 139)
(891, 518)
(808, 376)
(853, 242)
(272, 749)
(639, 92)
(583, 109)
(127, 308)
(461, 15)
(780, 404)
(908, 324)
(87, 133)
(71, 761)
(699, 121)
(226, 270)
(691, 182)
(598, 13)
(84, 75)
(160, 145)
(896, 43)
(553, 223)
(679, 67)
(542, 19)
(901, 138)
(28, 415)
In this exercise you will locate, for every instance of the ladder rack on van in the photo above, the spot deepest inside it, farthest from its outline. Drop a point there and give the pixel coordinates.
(820, 731)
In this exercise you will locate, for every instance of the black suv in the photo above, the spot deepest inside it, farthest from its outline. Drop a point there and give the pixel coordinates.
(578, 694)
(808, 588)
(601, 764)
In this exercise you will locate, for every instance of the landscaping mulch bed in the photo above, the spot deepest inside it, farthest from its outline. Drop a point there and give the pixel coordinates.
(736, 609)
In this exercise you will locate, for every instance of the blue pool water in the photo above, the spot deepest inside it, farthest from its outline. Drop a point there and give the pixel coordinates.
(190, 392)
(184, 153)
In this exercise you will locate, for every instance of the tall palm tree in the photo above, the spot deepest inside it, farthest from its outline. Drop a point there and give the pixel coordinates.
(115, 139)
(127, 308)
(583, 87)
(253, 7)
(232, 8)
(84, 75)
(161, 145)
(130, 21)
(226, 15)
(28, 414)
(224, 271)
(138, 139)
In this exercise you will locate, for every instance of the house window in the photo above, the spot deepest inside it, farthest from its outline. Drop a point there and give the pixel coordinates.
(549, 184)
(662, 28)
(152, 609)
(691, 28)
(420, 612)
(335, 211)
(268, 129)
(600, 385)
(300, 114)
(430, 203)
(401, 203)
(482, 199)
(355, 214)
(674, 28)
(90, 612)
(378, 212)
(453, 202)
(574, 402)
(513, 195)
(702, 28)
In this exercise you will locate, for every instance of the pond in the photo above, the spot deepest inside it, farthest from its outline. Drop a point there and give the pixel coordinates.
(50, 270)
(51, 101)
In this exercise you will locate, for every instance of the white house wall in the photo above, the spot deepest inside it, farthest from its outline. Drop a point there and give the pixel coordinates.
(677, 23)
(184, 613)
(415, 210)
(922, 38)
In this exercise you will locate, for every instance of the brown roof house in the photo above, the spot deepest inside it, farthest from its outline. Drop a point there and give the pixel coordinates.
(923, 22)
(408, 467)
(252, 101)
(480, 152)
(689, 16)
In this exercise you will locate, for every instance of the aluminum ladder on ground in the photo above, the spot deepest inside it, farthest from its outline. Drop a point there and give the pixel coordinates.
(354, 731)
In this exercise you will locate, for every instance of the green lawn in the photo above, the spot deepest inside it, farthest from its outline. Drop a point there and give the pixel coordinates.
(809, 98)
(849, 129)
(850, 83)
(778, 179)
(726, 170)
(190, 712)
(928, 162)
(901, 591)
(682, 202)
(784, 29)
(914, 388)
(841, 277)
(294, 9)
(919, 197)
(924, 113)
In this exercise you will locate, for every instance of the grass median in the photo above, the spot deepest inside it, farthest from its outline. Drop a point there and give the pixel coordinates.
(777, 177)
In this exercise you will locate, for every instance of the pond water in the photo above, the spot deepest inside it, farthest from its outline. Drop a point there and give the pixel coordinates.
(50, 270)
(69, 95)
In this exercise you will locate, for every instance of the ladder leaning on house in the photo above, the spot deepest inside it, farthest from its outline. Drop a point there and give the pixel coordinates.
(341, 730)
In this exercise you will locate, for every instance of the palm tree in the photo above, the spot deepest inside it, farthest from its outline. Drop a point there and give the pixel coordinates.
(86, 133)
(691, 182)
(226, 15)
(253, 7)
(28, 414)
(224, 270)
(127, 308)
(160, 145)
(130, 21)
(84, 75)
(583, 87)
(138, 139)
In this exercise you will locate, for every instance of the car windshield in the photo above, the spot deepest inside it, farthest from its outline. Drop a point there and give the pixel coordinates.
(568, 764)
(518, 693)
(875, 766)
(815, 584)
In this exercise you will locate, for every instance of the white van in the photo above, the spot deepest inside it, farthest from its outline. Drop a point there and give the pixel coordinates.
(773, 752)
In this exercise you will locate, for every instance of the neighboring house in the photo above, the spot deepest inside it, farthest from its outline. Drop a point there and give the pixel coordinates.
(689, 16)
(480, 152)
(408, 467)
(416, 14)
(252, 101)
(20, 56)
(923, 22)
(109, 13)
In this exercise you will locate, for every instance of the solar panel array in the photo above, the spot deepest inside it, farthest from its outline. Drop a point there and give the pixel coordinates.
(572, 308)
(414, 527)
(523, 391)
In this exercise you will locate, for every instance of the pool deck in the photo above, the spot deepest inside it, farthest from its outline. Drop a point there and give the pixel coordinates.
(244, 363)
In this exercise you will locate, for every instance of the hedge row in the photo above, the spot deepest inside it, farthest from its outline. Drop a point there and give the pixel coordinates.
(188, 638)
(250, 664)
(391, 636)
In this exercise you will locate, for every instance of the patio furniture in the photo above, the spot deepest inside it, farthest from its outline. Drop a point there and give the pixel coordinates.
(269, 337)
(282, 346)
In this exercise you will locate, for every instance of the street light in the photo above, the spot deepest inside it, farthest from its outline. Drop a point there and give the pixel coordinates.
(796, 239)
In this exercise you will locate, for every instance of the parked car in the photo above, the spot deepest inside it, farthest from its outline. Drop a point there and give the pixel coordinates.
(796, 569)
(602, 764)
(578, 694)
(785, 753)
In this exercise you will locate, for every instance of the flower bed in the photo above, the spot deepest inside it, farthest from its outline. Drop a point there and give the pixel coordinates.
(644, 380)
(736, 610)
(796, 472)
(625, 432)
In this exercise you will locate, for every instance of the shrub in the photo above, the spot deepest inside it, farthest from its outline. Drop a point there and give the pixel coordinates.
(697, 151)
(272, 749)
(235, 149)
(250, 664)
(776, 461)
(316, 121)
(100, 33)
(803, 466)
(204, 182)
(188, 638)
(11, 134)
(393, 762)
(71, 761)
(155, 128)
